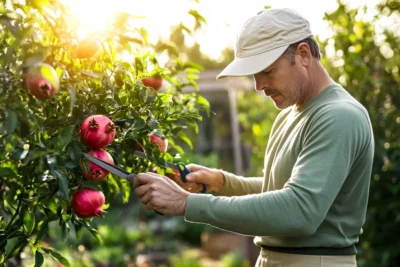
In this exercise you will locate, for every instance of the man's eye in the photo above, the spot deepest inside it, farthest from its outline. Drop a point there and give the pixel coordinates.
(268, 72)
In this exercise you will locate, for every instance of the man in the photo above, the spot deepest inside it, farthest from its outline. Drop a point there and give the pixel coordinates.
(310, 206)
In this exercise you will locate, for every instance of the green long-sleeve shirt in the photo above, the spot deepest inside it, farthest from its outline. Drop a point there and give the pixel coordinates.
(315, 187)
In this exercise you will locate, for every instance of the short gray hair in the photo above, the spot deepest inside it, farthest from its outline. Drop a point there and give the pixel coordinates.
(312, 43)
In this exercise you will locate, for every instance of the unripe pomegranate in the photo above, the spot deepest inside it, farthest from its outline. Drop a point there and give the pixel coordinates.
(95, 172)
(98, 131)
(88, 203)
(42, 81)
(154, 82)
(87, 48)
(158, 138)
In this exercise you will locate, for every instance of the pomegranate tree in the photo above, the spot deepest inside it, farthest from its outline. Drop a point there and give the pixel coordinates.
(94, 172)
(98, 131)
(88, 203)
(98, 105)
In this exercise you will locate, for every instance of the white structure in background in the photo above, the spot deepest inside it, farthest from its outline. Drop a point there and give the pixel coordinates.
(207, 86)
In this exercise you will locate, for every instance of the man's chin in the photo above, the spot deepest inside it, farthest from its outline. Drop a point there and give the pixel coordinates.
(279, 102)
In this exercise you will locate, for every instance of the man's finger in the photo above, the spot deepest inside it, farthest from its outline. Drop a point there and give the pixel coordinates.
(193, 167)
(146, 198)
(197, 177)
(143, 178)
(141, 190)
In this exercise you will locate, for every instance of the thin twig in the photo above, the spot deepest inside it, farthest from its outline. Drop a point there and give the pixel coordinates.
(15, 214)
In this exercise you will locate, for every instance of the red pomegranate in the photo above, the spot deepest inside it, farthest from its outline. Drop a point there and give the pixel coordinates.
(42, 81)
(154, 82)
(158, 138)
(88, 203)
(98, 131)
(139, 148)
(95, 172)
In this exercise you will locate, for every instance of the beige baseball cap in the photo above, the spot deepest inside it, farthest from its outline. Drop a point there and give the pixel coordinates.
(263, 39)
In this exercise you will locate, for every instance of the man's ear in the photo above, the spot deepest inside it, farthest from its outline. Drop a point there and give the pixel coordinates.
(303, 50)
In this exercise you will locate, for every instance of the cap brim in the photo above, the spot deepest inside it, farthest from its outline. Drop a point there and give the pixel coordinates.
(244, 66)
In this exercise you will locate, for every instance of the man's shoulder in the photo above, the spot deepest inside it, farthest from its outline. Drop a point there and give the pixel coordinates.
(344, 108)
(341, 104)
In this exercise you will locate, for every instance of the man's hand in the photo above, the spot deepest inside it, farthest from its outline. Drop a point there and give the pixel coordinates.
(212, 178)
(160, 193)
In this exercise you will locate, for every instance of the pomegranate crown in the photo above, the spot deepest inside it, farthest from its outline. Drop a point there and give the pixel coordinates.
(158, 133)
(110, 127)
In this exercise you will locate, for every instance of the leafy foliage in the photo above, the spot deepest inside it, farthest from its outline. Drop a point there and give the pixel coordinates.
(40, 140)
(366, 62)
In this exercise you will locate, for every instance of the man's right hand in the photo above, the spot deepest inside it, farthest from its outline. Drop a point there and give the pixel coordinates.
(212, 178)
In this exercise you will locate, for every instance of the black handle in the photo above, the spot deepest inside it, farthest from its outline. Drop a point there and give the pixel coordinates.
(185, 171)
(131, 177)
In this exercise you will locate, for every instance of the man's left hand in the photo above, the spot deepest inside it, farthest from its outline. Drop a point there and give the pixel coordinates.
(160, 193)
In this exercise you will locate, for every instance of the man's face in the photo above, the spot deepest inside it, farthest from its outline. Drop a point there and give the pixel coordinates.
(283, 82)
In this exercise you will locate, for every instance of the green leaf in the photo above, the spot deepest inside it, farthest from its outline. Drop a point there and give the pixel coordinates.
(29, 222)
(193, 124)
(44, 228)
(72, 96)
(203, 102)
(198, 18)
(139, 124)
(7, 172)
(38, 259)
(85, 165)
(15, 246)
(34, 154)
(63, 183)
(144, 93)
(11, 121)
(125, 188)
(138, 65)
(65, 136)
(78, 231)
(185, 138)
(91, 184)
(90, 74)
(64, 228)
(93, 231)
(57, 256)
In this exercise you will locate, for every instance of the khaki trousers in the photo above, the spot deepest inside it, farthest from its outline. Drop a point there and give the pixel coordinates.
(277, 259)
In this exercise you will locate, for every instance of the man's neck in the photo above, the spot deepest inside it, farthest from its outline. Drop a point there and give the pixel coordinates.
(319, 80)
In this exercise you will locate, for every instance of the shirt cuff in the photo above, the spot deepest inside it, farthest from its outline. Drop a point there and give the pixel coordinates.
(194, 205)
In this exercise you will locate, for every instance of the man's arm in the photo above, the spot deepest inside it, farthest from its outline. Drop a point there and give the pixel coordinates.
(239, 186)
(222, 183)
(329, 150)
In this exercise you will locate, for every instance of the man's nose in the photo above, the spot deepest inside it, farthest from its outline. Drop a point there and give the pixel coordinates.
(259, 84)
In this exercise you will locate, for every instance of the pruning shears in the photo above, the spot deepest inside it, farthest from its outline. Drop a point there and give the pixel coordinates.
(120, 172)
(180, 167)
(113, 169)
